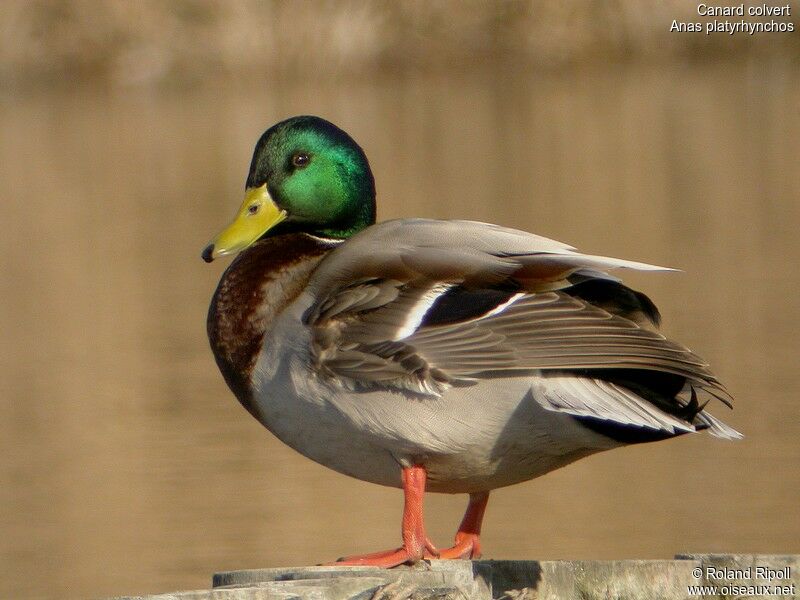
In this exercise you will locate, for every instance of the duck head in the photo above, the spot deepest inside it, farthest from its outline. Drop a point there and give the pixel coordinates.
(307, 175)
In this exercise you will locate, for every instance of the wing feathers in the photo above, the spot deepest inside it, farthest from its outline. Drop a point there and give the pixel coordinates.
(422, 304)
(588, 397)
(467, 252)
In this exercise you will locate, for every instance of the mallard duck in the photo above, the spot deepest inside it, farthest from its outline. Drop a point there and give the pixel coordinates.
(430, 355)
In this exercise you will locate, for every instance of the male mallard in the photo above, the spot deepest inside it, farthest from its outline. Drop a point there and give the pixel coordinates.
(442, 356)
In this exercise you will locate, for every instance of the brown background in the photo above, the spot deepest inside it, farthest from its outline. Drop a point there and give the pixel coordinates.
(125, 134)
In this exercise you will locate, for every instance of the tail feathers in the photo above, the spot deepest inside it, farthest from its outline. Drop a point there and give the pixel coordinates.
(716, 427)
(695, 413)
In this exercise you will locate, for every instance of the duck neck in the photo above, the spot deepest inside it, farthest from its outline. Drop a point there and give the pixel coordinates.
(255, 289)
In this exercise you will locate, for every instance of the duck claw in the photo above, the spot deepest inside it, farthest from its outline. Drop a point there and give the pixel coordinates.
(467, 546)
(388, 559)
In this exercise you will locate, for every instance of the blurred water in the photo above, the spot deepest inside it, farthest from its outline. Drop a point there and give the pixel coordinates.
(127, 466)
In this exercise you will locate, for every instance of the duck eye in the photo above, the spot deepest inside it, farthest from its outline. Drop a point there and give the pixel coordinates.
(252, 209)
(300, 159)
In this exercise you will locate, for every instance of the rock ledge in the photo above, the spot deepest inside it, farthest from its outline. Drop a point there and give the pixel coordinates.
(725, 575)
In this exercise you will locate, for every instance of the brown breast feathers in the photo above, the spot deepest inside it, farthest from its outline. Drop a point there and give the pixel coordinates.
(254, 289)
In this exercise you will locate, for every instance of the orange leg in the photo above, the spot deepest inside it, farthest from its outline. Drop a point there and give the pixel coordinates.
(468, 543)
(416, 544)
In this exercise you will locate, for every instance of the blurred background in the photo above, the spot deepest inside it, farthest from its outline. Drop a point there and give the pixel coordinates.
(126, 128)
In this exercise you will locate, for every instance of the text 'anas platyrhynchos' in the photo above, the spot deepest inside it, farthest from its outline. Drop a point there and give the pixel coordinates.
(443, 356)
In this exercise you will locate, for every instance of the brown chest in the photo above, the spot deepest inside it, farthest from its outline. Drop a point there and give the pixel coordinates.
(255, 289)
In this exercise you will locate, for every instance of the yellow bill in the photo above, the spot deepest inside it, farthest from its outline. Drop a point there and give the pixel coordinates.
(258, 214)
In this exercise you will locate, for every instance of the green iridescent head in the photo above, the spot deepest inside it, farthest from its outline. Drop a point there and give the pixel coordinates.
(306, 175)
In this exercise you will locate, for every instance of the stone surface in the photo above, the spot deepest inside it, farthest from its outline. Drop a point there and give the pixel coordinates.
(584, 580)
(733, 575)
(438, 579)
